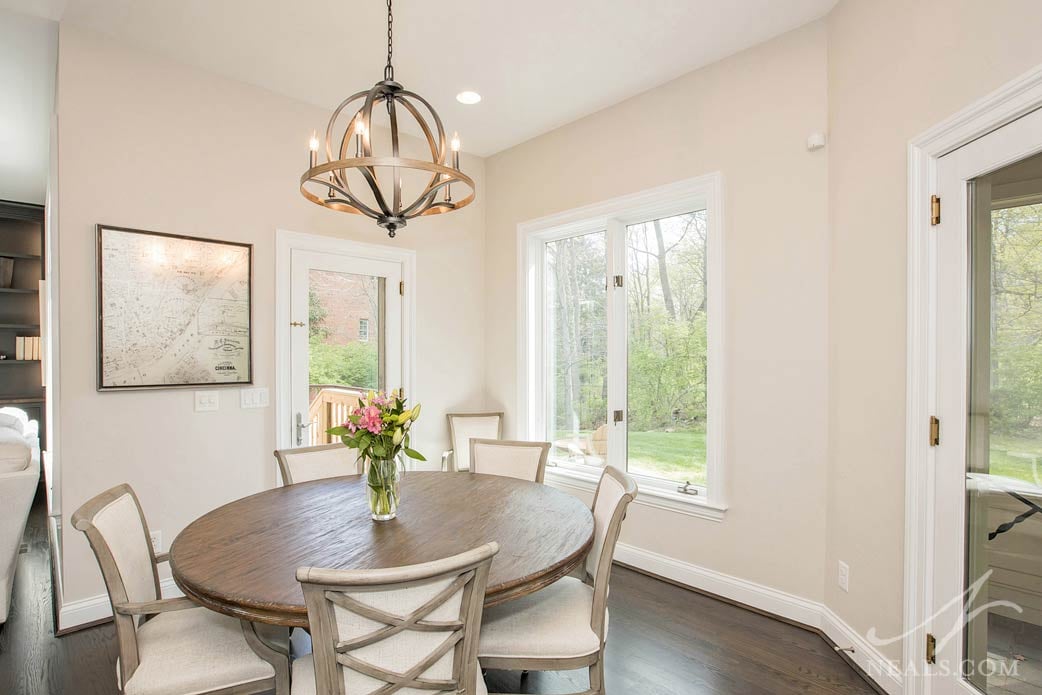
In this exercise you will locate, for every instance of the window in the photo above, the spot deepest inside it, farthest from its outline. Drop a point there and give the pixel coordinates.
(363, 330)
(621, 351)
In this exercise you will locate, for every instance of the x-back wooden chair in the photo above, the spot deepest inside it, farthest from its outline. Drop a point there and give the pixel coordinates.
(316, 462)
(390, 630)
(565, 625)
(173, 644)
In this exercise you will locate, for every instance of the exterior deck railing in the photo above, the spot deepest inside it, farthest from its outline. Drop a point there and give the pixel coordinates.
(329, 407)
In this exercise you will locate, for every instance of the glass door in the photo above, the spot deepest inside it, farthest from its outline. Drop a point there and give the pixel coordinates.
(986, 623)
(346, 337)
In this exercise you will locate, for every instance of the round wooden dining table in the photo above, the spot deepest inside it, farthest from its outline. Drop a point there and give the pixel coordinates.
(241, 559)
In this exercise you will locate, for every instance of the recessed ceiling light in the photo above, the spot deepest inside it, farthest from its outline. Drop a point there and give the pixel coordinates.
(468, 97)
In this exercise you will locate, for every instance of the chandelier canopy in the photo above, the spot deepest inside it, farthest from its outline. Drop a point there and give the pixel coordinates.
(389, 189)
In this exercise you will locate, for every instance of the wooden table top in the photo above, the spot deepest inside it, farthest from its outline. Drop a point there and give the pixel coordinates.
(241, 559)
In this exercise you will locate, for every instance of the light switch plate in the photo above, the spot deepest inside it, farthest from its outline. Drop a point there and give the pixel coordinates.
(207, 401)
(254, 397)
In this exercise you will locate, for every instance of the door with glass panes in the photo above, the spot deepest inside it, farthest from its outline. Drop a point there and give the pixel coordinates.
(985, 624)
(346, 337)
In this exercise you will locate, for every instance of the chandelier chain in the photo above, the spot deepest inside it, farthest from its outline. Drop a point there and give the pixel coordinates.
(389, 69)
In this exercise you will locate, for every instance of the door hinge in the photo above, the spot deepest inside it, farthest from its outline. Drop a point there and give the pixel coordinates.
(401, 287)
(931, 649)
(618, 281)
(935, 210)
(935, 431)
(617, 416)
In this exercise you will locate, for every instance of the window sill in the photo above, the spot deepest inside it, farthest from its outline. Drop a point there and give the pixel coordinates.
(689, 505)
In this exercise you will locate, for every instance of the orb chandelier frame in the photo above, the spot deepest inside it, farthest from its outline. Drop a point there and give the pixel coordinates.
(327, 184)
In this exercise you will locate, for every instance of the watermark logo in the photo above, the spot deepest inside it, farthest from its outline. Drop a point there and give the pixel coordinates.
(970, 611)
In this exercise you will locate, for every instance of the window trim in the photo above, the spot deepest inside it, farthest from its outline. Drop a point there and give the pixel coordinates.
(703, 192)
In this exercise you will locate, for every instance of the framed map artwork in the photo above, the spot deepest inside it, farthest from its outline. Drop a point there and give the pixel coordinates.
(172, 310)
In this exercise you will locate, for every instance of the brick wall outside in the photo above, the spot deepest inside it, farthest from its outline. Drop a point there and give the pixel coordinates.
(346, 298)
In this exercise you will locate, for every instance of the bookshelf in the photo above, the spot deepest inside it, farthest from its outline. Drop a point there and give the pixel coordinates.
(22, 251)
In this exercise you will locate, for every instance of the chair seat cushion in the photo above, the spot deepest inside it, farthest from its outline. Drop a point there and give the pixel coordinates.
(553, 623)
(193, 651)
(303, 678)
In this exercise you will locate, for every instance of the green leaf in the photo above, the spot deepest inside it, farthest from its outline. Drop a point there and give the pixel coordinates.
(338, 431)
(413, 454)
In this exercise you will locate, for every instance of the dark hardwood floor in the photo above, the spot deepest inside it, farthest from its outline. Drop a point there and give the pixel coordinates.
(665, 640)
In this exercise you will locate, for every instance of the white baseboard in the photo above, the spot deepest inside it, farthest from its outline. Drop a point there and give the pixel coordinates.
(884, 672)
(88, 610)
(813, 614)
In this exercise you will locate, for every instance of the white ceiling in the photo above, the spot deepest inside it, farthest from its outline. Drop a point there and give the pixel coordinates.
(538, 64)
(28, 58)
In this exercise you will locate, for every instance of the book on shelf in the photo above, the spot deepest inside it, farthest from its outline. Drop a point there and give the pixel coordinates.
(27, 348)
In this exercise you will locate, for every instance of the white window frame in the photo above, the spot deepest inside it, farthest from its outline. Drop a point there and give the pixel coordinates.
(363, 338)
(612, 216)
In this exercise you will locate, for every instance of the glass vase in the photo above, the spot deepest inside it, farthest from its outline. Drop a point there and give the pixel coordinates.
(384, 477)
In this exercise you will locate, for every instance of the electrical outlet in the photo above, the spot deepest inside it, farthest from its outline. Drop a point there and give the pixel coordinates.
(157, 540)
(843, 579)
(206, 401)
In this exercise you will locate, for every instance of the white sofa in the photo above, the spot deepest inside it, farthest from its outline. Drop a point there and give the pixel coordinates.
(19, 478)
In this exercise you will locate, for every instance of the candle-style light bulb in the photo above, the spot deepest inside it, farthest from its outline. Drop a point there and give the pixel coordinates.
(448, 186)
(359, 134)
(455, 150)
(313, 149)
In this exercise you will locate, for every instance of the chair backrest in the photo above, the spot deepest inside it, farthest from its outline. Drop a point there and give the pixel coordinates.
(410, 629)
(316, 462)
(614, 493)
(466, 426)
(524, 460)
(118, 534)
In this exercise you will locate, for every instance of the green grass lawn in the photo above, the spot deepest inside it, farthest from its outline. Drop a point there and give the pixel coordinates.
(678, 456)
(1017, 458)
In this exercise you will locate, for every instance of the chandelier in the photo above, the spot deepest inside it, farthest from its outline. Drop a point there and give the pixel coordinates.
(389, 189)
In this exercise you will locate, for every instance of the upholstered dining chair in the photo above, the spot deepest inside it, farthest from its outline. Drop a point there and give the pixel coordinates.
(169, 645)
(404, 629)
(462, 428)
(524, 460)
(565, 625)
(316, 462)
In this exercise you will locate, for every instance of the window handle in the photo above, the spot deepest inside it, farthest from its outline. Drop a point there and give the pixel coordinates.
(687, 489)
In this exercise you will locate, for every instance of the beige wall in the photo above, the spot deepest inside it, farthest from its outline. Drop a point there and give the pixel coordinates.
(149, 144)
(747, 117)
(896, 68)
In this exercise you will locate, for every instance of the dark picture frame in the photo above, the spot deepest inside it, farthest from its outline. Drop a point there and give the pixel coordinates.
(231, 343)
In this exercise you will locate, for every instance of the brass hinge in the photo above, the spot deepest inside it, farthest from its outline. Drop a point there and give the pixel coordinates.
(931, 649)
(617, 416)
(935, 431)
(401, 287)
(618, 281)
(935, 210)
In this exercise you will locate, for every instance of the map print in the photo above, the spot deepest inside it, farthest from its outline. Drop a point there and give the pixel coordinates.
(174, 311)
